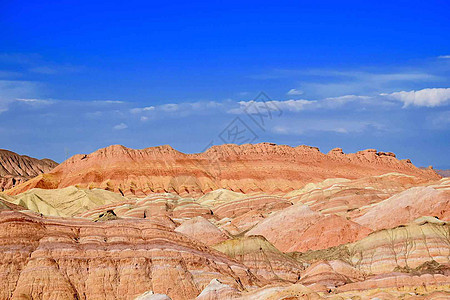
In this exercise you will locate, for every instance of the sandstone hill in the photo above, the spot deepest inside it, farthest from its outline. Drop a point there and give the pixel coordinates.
(163, 246)
(265, 222)
(65, 202)
(443, 173)
(15, 168)
(52, 258)
(250, 168)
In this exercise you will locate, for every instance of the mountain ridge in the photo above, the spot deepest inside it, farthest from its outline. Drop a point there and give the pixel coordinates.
(247, 168)
(16, 168)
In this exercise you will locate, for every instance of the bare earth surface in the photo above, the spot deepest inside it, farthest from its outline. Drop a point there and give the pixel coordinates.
(266, 168)
(15, 168)
(275, 223)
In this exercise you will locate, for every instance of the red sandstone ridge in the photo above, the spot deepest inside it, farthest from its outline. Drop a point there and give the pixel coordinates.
(265, 167)
(15, 168)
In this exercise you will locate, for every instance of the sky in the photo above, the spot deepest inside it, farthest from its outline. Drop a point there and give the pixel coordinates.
(76, 76)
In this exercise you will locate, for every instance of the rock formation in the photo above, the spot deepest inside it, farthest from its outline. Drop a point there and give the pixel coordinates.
(65, 202)
(262, 258)
(406, 206)
(16, 169)
(235, 222)
(166, 204)
(443, 173)
(248, 168)
(54, 258)
(202, 230)
(340, 196)
(298, 228)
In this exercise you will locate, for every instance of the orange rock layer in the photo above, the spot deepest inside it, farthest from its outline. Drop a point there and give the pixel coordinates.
(248, 168)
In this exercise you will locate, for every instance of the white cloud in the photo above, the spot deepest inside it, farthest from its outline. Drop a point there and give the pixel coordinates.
(105, 101)
(294, 92)
(426, 97)
(120, 126)
(256, 107)
(444, 56)
(169, 107)
(35, 102)
(138, 110)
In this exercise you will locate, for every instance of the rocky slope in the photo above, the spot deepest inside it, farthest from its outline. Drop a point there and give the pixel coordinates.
(404, 207)
(65, 202)
(16, 169)
(298, 228)
(248, 168)
(262, 258)
(443, 173)
(284, 223)
(54, 258)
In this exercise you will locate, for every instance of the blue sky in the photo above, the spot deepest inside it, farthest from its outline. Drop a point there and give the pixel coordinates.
(76, 76)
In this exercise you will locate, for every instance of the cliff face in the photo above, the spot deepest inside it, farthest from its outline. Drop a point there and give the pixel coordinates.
(268, 168)
(16, 169)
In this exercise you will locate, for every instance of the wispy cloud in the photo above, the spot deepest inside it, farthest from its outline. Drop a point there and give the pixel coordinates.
(182, 109)
(120, 126)
(362, 80)
(10, 90)
(254, 107)
(138, 110)
(35, 101)
(302, 127)
(294, 92)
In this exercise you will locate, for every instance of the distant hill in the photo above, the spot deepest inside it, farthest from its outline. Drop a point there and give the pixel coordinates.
(265, 167)
(15, 168)
(443, 173)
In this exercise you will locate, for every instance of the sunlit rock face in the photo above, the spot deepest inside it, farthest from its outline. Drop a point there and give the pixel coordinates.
(16, 169)
(298, 228)
(266, 168)
(262, 258)
(275, 222)
(54, 258)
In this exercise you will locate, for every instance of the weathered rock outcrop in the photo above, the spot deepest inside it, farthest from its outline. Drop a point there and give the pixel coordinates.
(64, 202)
(166, 204)
(16, 169)
(407, 206)
(401, 249)
(331, 274)
(340, 196)
(265, 167)
(55, 258)
(6, 204)
(298, 228)
(239, 207)
(262, 258)
(202, 230)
